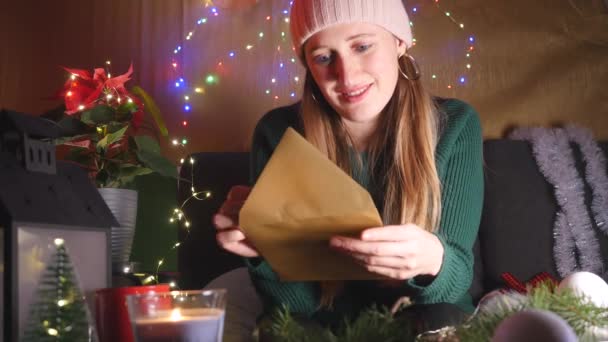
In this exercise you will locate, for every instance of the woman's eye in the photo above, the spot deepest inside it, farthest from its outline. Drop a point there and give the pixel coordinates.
(363, 47)
(322, 59)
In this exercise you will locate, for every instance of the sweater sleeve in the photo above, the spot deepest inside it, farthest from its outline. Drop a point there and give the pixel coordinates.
(298, 297)
(460, 165)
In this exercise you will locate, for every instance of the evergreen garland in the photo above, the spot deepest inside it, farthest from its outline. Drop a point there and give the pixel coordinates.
(379, 325)
(371, 325)
(580, 313)
(60, 312)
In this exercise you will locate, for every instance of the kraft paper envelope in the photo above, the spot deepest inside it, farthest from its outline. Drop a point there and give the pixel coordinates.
(300, 200)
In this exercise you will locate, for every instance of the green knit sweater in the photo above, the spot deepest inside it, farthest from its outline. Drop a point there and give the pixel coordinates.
(459, 164)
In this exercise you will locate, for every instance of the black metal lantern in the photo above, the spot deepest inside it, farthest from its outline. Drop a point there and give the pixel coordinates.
(43, 201)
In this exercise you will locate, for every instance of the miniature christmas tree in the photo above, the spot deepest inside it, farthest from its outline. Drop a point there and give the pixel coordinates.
(60, 312)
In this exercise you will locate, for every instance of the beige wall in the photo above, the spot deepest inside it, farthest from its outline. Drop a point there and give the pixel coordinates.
(535, 62)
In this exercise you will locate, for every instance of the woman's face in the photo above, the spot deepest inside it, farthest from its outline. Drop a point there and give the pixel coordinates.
(355, 66)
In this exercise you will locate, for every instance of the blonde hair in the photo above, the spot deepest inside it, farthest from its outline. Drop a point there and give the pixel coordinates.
(402, 157)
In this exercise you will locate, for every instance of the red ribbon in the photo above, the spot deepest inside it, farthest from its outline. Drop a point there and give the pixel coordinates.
(522, 287)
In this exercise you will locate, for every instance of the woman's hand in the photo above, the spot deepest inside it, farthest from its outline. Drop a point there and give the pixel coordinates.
(229, 236)
(397, 252)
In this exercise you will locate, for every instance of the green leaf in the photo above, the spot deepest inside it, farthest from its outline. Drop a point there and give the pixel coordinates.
(146, 143)
(111, 138)
(124, 174)
(61, 141)
(148, 152)
(152, 108)
(71, 126)
(112, 168)
(127, 107)
(128, 173)
(158, 163)
(125, 111)
(101, 114)
(115, 126)
(80, 156)
(132, 171)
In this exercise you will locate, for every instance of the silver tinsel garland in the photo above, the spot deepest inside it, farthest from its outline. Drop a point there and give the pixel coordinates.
(576, 246)
(595, 173)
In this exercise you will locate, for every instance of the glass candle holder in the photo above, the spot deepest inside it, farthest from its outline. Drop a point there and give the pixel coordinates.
(178, 316)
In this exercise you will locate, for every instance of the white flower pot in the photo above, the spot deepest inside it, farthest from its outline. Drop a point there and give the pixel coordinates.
(123, 204)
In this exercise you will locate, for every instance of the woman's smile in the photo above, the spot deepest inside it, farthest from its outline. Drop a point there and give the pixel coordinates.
(356, 95)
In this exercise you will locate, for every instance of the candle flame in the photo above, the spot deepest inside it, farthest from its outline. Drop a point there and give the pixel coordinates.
(176, 315)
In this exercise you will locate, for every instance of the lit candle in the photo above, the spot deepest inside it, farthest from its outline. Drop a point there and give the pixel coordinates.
(182, 325)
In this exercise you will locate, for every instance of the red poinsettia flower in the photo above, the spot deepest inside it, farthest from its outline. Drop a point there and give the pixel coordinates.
(84, 91)
(81, 91)
(100, 128)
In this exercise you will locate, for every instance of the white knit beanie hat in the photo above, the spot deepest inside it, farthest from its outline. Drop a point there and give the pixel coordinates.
(311, 16)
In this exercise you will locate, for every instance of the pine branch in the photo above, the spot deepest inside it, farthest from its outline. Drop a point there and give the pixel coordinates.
(379, 325)
(371, 325)
(577, 311)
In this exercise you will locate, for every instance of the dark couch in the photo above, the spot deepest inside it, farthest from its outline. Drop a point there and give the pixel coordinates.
(516, 232)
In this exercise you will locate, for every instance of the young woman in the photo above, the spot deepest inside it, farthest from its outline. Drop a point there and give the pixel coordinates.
(420, 157)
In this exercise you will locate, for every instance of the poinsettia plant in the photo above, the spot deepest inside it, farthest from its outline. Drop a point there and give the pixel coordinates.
(100, 128)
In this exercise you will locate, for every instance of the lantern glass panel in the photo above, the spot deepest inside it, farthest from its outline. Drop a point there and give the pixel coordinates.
(87, 250)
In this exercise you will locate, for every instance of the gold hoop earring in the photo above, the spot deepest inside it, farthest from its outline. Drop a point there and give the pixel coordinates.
(414, 66)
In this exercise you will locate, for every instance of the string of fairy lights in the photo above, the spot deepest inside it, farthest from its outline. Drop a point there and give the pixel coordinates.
(469, 45)
(286, 61)
(188, 88)
(286, 66)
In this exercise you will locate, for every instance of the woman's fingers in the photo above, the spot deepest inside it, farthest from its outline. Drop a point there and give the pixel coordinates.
(233, 240)
(389, 266)
(231, 208)
(239, 193)
(242, 249)
(229, 236)
(383, 261)
(390, 233)
(352, 245)
(234, 202)
(223, 222)
(392, 273)
(389, 252)
(407, 249)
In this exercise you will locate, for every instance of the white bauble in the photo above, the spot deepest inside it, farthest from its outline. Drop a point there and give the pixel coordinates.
(498, 301)
(587, 284)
